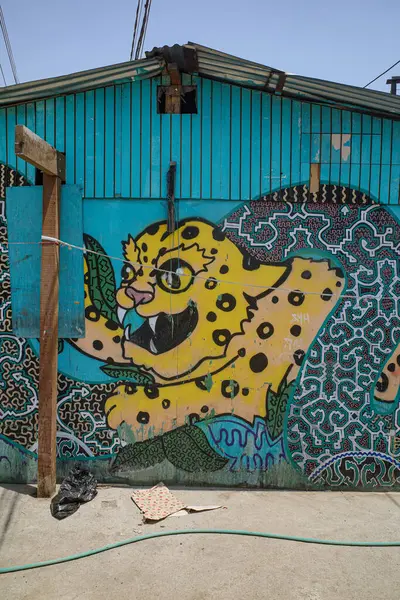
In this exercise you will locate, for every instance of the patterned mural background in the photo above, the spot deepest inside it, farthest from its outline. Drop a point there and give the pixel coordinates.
(337, 422)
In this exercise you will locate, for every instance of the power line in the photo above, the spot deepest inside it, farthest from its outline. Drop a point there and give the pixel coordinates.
(2, 72)
(8, 46)
(143, 29)
(384, 73)
(54, 240)
(137, 19)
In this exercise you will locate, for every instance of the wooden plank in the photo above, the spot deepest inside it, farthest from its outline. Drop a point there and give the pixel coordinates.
(48, 338)
(315, 173)
(24, 222)
(39, 153)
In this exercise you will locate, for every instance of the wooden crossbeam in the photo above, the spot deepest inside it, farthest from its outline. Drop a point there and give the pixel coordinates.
(39, 153)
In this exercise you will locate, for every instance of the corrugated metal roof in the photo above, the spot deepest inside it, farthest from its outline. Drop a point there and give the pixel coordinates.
(225, 67)
(194, 58)
(78, 82)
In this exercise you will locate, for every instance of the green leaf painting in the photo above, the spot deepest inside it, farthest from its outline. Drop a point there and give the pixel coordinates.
(186, 448)
(101, 280)
(128, 373)
(276, 408)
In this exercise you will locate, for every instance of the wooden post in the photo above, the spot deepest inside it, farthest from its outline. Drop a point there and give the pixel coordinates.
(49, 285)
(46, 158)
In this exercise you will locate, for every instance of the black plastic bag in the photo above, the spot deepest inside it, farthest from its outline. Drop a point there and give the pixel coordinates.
(78, 487)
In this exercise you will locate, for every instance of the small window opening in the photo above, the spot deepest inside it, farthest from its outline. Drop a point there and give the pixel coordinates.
(177, 100)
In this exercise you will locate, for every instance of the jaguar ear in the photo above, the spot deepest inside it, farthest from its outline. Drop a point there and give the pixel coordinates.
(130, 250)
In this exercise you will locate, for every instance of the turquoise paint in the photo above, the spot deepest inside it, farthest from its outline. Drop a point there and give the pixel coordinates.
(125, 141)
(118, 141)
(295, 175)
(196, 143)
(245, 157)
(70, 138)
(3, 138)
(216, 175)
(89, 144)
(109, 170)
(266, 143)
(306, 118)
(276, 143)
(165, 151)
(206, 139)
(99, 139)
(336, 117)
(224, 156)
(286, 157)
(145, 148)
(21, 120)
(24, 221)
(176, 123)
(326, 119)
(50, 121)
(80, 139)
(155, 181)
(235, 143)
(136, 158)
(255, 162)
(30, 123)
(226, 141)
(60, 124)
(11, 122)
(240, 145)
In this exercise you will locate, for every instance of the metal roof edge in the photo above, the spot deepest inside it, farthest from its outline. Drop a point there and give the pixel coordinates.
(213, 64)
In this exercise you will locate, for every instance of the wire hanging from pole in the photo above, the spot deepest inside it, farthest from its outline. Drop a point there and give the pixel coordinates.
(137, 19)
(384, 73)
(8, 46)
(2, 72)
(143, 29)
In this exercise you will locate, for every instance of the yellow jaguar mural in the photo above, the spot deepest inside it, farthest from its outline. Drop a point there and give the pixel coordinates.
(219, 329)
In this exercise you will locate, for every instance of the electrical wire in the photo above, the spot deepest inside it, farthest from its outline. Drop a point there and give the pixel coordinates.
(53, 240)
(2, 72)
(8, 46)
(135, 28)
(384, 73)
(160, 534)
(143, 30)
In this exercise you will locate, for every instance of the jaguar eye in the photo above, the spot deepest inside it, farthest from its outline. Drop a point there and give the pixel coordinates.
(175, 276)
(128, 274)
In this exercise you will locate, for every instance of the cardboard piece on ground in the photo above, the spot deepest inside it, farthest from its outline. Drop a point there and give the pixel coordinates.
(158, 503)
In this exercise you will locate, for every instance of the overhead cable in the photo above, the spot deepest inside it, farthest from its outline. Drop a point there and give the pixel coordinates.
(135, 28)
(45, 240)
(8, 46)
(2, 73)
(384, 73)
(143, 30)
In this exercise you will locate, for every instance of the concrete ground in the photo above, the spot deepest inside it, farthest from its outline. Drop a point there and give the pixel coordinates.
(202, 567)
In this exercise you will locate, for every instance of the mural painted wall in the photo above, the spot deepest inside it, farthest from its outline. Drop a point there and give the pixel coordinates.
(257, 343)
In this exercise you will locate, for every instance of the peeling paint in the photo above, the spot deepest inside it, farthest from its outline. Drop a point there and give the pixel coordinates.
(342, 142)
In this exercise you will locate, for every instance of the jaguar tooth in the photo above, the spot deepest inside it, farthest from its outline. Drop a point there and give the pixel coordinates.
(153, 349)
(152, 323)
(121, 312)
(127, 332)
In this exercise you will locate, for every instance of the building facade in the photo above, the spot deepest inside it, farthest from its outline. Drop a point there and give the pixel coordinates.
(253, 338)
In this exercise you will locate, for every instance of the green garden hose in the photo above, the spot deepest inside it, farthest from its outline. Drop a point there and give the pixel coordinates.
(159, 534)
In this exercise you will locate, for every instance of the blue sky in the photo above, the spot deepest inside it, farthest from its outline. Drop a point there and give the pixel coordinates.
(350, 41)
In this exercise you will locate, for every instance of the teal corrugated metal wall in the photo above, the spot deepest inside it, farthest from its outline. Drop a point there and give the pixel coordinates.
(241, 144)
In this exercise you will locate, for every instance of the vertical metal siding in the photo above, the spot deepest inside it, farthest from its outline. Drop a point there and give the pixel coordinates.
(241, 144)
